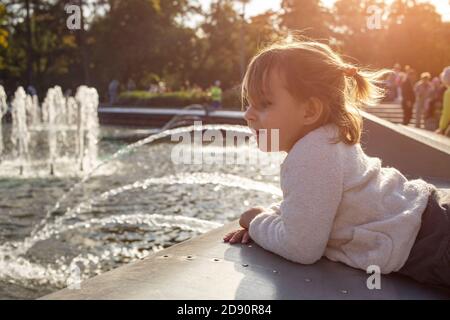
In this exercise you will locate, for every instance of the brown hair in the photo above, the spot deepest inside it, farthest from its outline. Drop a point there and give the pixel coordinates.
(313, 69)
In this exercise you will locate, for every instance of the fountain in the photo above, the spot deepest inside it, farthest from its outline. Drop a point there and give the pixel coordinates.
(57, 138)
(125, 201)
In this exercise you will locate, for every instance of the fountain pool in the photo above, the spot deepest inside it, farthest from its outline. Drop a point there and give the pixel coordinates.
(59, 230)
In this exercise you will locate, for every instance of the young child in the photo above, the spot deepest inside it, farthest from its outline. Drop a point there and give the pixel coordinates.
(337, 201)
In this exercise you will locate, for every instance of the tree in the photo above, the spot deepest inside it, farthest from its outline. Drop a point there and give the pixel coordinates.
(222, 42)
(354, 31)
(3, 36)
(136, 38)
(307, 16)
(417, 36)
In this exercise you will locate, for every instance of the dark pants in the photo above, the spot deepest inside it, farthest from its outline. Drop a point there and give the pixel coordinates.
(429, 259)
(429, 113)
(407, 106)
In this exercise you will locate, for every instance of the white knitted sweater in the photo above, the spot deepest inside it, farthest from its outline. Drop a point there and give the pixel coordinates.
(340, 203)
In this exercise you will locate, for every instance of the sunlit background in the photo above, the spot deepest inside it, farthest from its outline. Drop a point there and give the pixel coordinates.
(192, 43)
(255, 7)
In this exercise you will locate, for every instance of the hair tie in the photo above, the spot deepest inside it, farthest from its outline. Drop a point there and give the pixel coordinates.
(351, 71)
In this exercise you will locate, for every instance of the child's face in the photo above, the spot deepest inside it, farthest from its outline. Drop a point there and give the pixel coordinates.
(283, 112)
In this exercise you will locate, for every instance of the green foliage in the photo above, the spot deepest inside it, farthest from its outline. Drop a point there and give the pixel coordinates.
(231, 98)
(3, 31)
(3, 36)
(169, 99)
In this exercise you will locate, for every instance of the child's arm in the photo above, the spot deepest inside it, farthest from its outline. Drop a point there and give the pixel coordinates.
(312, 184)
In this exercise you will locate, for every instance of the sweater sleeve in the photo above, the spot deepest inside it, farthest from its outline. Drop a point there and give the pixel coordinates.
(445, 117)
(312, 189)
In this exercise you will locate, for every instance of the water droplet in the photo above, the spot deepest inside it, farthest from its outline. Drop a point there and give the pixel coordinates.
(307, 280)
(344, 291)
(245, 265)
(274, 271)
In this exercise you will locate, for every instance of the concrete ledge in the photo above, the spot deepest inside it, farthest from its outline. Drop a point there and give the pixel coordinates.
(240, 272)
(414, 154)
(160, 116)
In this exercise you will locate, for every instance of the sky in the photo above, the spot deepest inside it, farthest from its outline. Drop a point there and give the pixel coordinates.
(259, 6)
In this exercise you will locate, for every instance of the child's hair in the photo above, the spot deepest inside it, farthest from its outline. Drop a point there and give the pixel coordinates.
(312, 69)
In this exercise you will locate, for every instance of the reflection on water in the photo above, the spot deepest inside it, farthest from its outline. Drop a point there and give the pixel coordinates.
(135, 203)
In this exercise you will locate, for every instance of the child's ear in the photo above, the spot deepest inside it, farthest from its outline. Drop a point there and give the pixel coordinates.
(314, 111)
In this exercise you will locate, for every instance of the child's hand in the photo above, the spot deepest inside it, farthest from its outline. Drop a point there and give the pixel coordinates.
(240, 235)
(249, 215)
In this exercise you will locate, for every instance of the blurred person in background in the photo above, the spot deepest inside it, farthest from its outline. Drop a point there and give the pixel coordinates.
(423, 91)
(444, 123)
(408, 97)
